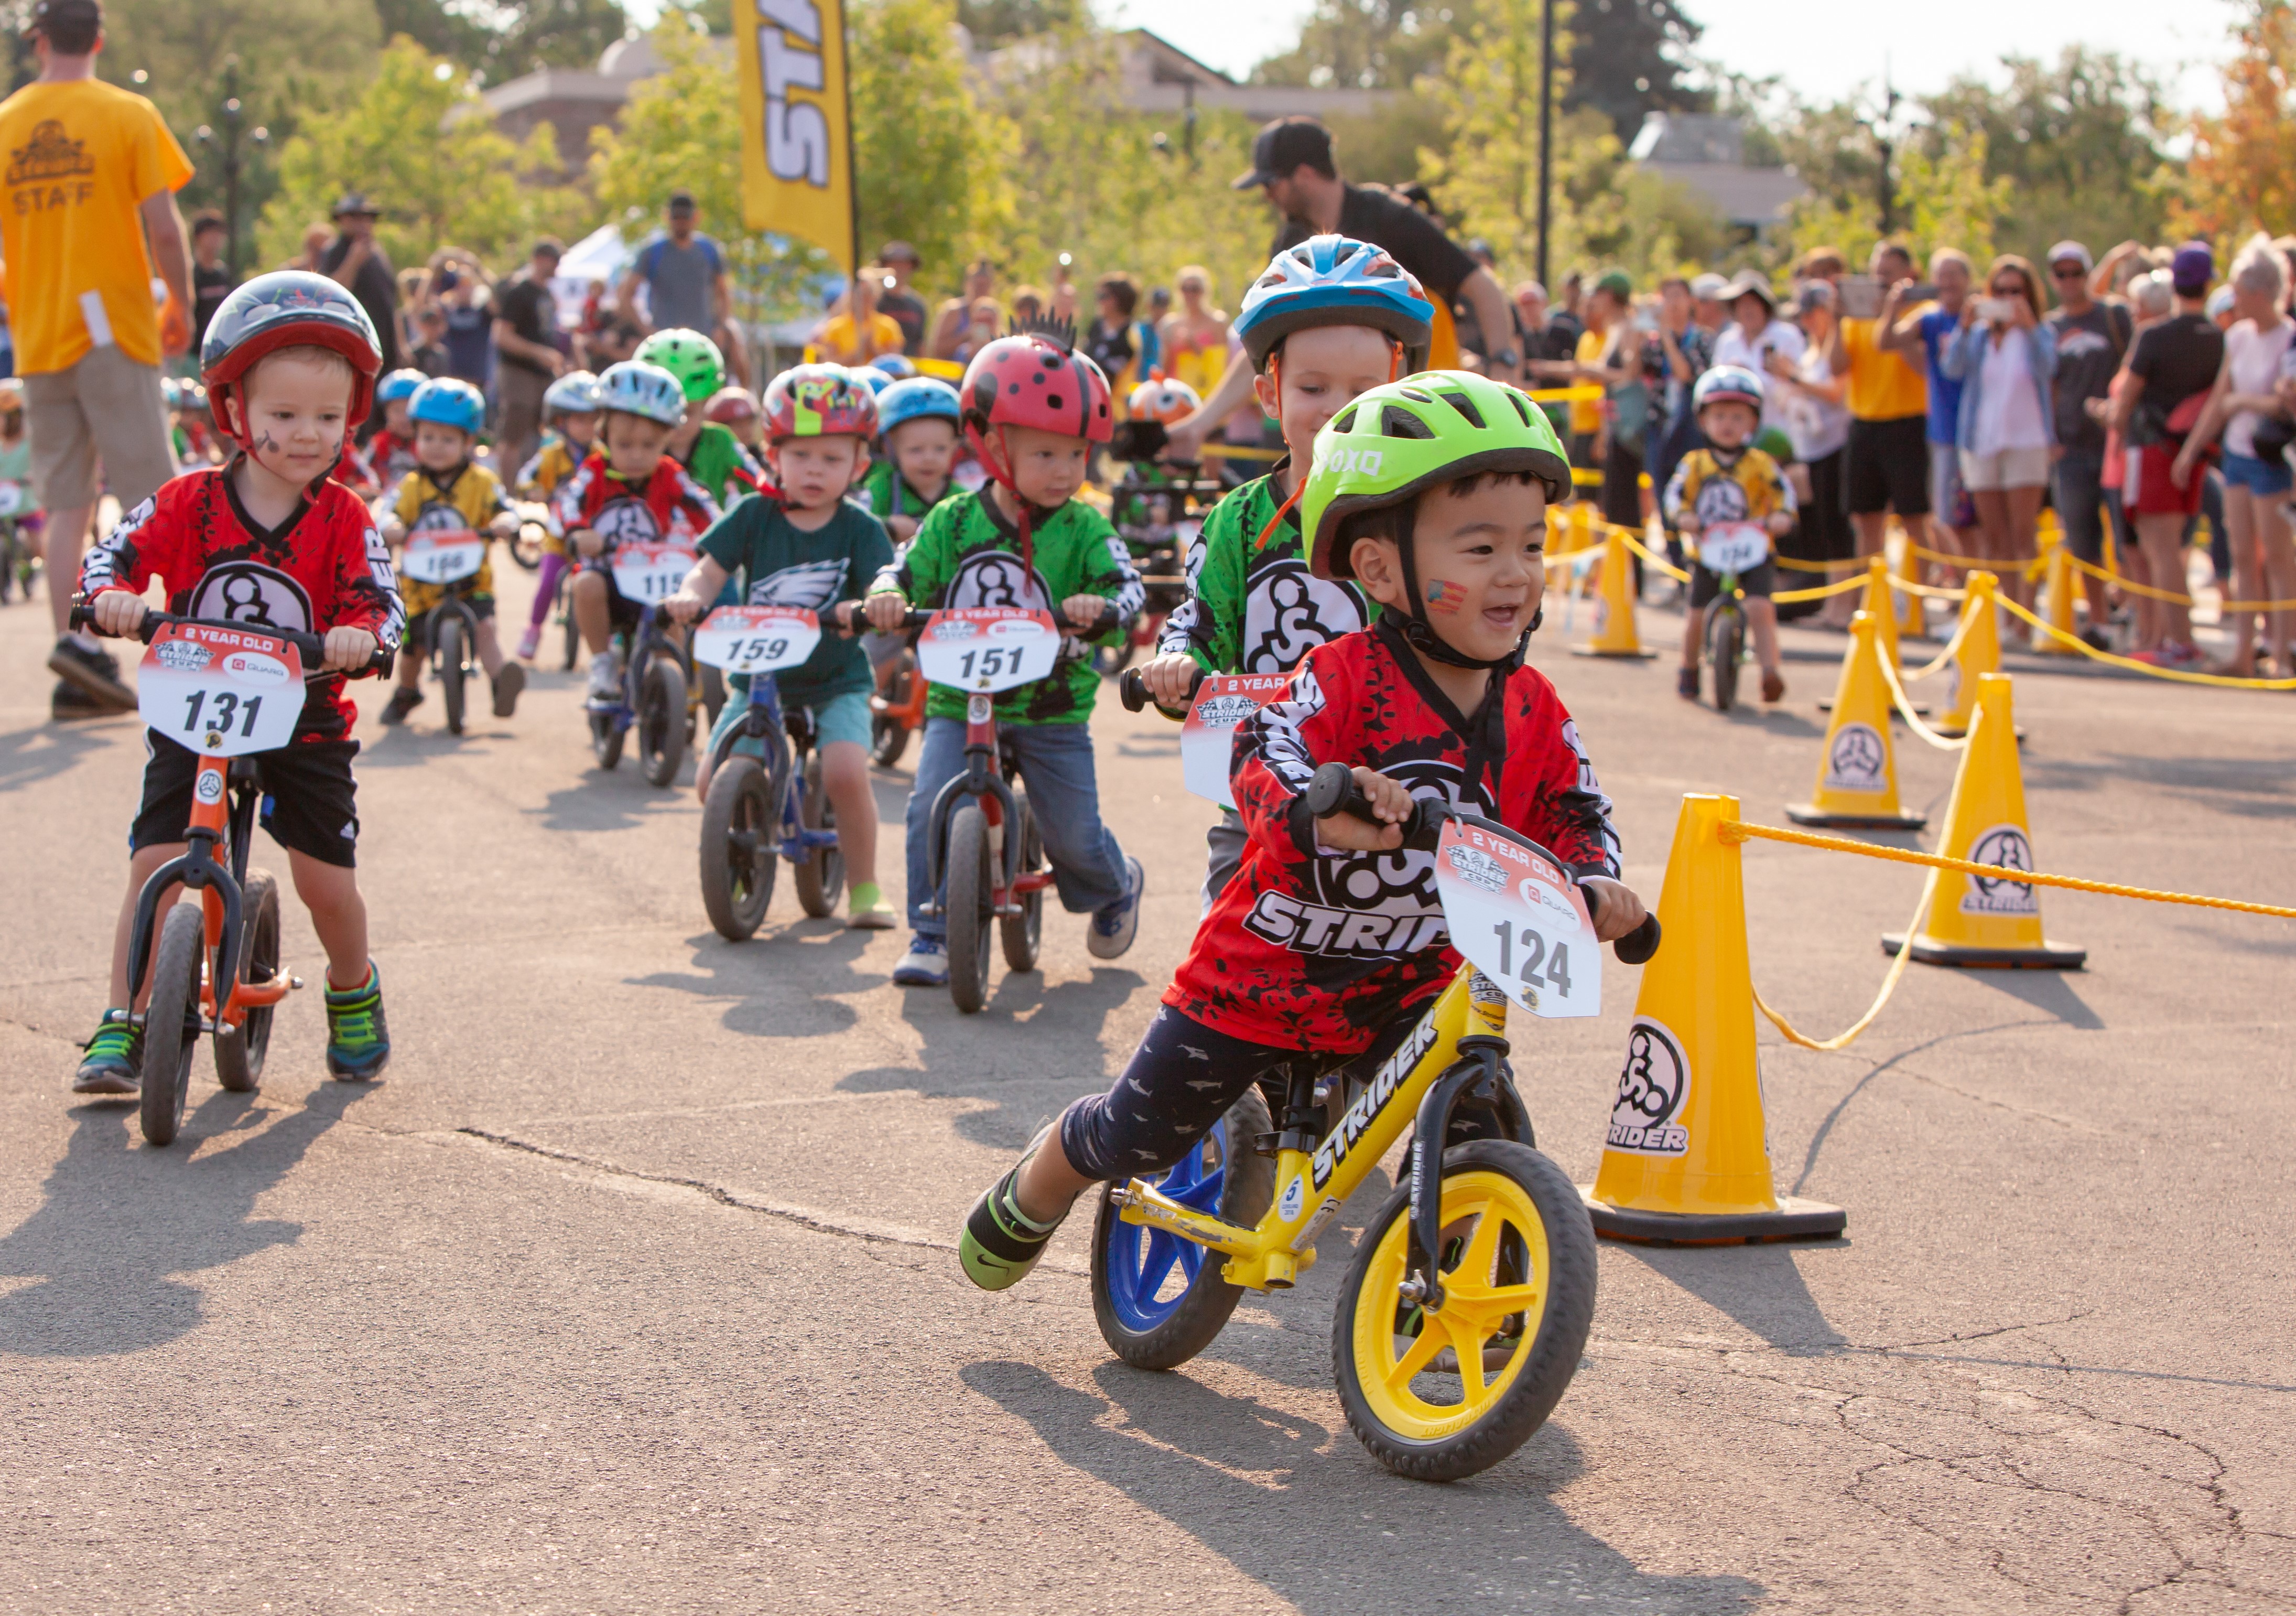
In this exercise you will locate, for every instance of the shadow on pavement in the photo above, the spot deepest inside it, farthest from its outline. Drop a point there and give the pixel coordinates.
(1307, 1513)
(618, 801)
(772, 995)
(29, 756)
(1761, 1287)
(2050, 991)
(122, 1220)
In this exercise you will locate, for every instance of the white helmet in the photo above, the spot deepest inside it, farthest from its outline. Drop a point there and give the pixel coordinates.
(575, 393)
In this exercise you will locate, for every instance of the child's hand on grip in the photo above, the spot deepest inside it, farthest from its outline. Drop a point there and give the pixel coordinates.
(348, 650)
(118, 612)
(1344, 832)
(1621, 910)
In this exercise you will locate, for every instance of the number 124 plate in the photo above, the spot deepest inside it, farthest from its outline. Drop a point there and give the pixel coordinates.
(1519, 920)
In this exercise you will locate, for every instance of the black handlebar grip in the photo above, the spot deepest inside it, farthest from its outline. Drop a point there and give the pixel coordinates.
(1333, 791)
(1132, 690)
(1639, 943)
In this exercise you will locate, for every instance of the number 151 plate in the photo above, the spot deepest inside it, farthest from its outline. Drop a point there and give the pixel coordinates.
(987, 648)
(1515, 915)
(220, 692)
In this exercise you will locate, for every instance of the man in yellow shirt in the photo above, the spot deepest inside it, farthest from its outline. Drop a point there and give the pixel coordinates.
(1888, 462)
(89, 173)
(860, 333)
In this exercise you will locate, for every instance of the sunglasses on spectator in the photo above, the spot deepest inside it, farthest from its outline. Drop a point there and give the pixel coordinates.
(2068, 271)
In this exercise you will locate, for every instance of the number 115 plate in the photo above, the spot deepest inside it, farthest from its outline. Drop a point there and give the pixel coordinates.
(1519, 920)
(219, 690)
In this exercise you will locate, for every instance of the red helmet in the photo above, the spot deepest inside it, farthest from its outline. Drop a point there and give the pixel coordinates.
(287, 308)
(819, 401)
(1033, 378)
(731, 403)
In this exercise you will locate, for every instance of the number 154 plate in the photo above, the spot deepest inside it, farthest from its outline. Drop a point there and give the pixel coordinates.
(220, 692)
(1518, 919)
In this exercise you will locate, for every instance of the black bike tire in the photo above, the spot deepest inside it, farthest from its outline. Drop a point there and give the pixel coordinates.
(1023, 935)
(239, 1054)
(1203, 1311)
(968, 914)
(171, 1034)
(1555, 1349)
(449, 660)
(819, 877)
(1725, 649)
(661, 721)
(739, 800)
(606, 739)
(529, 555)
(573, 652)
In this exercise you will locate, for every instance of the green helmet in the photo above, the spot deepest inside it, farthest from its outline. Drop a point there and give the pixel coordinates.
(690, 357)
(1402, 438)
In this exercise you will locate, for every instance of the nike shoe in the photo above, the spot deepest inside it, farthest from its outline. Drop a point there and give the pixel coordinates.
(1113, 928)
(95, 673)
(924, 965)
(358, 1040)
(114, 1062)
(508, 683)
(1001, 1242)
(403, 700)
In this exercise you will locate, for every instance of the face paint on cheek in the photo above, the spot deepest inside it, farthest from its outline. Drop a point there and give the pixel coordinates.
(1445, 597)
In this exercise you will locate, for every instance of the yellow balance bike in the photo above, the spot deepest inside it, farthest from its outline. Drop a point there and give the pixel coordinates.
(1463, 1317)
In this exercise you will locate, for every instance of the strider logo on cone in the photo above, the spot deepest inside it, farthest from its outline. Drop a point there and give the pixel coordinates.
(1654, 1086)
(2006, 846)
(1855, 760)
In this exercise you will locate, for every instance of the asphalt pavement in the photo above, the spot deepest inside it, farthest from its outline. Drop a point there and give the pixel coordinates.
(631, 1287)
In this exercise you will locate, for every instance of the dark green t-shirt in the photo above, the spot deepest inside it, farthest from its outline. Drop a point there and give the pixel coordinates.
(787, 566)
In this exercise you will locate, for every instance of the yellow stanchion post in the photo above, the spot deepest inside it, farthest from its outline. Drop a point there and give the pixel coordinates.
(1913, 616)
(1614, 634)
(1687, 1157)
(2058, 579)
(1857, 772)
(1978, 920)
(1979, 653)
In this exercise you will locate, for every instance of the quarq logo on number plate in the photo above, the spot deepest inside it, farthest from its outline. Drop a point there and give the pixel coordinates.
(1853, 763)
(254, 667)
(1653, 1088)
(2005, 845)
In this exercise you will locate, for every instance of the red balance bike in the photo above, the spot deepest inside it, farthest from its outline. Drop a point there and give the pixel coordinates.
(225, 690)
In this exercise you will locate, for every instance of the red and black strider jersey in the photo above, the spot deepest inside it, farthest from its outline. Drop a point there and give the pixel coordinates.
(1313, 949)
(325, 567)
(669, 505)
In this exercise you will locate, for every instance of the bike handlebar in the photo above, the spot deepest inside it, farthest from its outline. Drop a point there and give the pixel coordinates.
(311, 647)
(853, 617)
(1132, 690)
(1334, 790)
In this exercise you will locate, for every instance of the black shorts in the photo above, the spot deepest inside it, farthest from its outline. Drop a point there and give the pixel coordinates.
(1705, 586)
(311, 799)
(621, 610)
(418, 627)
(1889, 467)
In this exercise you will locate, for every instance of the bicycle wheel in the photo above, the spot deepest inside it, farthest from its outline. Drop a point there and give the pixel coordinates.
(573, 640)
(171, 1021)
(526, 549)
(605, 740)
(450, 665)
(1159, 1298)
(820, 875)
(1725, 649)
(661, 721)
(1444, 1394)
(738, 860)
(239, 1052)
(1023, 934)
(968, 914)
(889, 737)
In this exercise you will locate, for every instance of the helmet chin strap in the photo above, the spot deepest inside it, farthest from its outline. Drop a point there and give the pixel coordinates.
(1027, 508)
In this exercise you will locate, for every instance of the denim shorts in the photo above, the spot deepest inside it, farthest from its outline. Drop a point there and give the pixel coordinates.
(2265, 477)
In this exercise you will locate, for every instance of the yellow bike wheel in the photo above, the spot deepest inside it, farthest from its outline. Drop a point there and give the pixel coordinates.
(1441, 1394)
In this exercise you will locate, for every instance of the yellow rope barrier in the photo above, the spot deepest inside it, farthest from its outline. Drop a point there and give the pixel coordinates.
(1951, 649)
(2229, 681)
(1738, 830)
(1649, 557)
(1794, 564)
(1931, 592)
(1849, 1035)
(2124, 582)
(2032, 569)
(1944, 744)
(1818, 592)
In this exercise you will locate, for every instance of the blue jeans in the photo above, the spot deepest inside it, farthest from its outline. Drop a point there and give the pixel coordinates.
(1057, 766)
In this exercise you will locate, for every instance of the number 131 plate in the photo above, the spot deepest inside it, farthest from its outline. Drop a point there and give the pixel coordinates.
(987, 648)
(1517, 918)
(220, 692)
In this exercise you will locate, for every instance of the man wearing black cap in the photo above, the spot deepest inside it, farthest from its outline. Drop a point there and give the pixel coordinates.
(1292, 162)
(355, 260)
(90, 175)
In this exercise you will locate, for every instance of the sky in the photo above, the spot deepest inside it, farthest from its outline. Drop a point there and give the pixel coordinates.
(1808, 43)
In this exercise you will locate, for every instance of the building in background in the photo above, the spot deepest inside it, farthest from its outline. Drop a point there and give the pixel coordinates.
(1707, 157)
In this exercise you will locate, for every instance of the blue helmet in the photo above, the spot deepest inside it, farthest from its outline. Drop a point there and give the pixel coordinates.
(447, 401)
(899, 366)
(634, 387)
(876, 380)
(919, 399)
(1334, 280)
(399, 385)
(575, 393)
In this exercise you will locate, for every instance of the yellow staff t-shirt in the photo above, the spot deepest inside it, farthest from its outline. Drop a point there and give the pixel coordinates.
(1883, 387)
(77, 161)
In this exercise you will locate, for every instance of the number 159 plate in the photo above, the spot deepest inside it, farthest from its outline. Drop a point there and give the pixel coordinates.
(1518, 919)
(219, 690)
(755, 639)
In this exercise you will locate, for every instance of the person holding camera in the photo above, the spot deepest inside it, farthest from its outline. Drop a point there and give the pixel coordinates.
(2005, 360)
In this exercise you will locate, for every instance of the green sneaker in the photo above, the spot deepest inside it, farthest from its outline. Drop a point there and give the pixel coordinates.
(358, 1041)
(114, 1062)
(1001, 1242)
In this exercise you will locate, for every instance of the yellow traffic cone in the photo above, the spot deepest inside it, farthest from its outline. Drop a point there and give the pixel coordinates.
(1615, 636)
(1979, 920)
(1881, 604)
(1979, 653)
(1857, 772)
(2059, 577)
(1913, 616)
(1687, 1159)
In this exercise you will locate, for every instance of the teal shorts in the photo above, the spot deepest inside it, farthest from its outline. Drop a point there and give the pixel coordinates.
(842, 717)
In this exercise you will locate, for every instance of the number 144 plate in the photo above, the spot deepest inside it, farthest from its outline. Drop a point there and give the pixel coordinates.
(1519, 920)
(220, 692)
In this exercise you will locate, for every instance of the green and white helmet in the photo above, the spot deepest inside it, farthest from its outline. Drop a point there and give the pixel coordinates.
(690, 357)
(1403, 438)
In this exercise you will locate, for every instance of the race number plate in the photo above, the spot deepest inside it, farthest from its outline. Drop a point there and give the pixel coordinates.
(649, 571)
(987, 648)
(755, 639)
(442, 557)
(11, 498)
(1208, 738)
(1733, 547)
(1515, 915)
(219, 690)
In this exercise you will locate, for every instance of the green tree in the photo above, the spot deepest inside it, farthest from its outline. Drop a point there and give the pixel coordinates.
(996, 23)
(1945, 198)
(931, 159)
(1372, 44)
(2244, 161)
(420, 142)
(501, 39)
(1627, 59)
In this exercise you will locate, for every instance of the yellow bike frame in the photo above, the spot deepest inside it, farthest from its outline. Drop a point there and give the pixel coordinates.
(1312, 1186)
